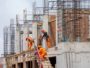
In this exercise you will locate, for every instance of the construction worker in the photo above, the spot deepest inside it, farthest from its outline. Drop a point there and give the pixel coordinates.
(42, 53)
(30, 42)
(46, 36)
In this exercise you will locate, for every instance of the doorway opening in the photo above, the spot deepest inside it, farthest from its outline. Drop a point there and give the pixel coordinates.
(29, 64)
(13, 66)
(20, 65)
(52, 61)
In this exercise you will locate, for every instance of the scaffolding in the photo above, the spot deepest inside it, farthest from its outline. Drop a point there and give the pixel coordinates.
(73, 20)
(70, 17)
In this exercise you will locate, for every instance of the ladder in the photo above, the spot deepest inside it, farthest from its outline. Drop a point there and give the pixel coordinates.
(46, 64)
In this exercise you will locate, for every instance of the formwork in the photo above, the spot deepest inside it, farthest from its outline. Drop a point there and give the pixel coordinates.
(72, 19)
(75, 19)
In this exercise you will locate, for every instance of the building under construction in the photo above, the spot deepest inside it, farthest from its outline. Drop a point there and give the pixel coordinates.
(68, 25)
(9, 38)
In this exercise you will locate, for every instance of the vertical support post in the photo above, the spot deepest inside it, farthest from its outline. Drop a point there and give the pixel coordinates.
(25, 35)
(24, 64)
(25, 31)
(59, 22)
(16, 65)
(25, 16)
(17, 36)
(33, 64)
(45, 22)
(46, 6)
(34, 10)
(45, 27)
(56, 31)
(34, 32)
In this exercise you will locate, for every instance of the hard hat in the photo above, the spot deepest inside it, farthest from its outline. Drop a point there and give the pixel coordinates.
(43, 30)
(29, 38)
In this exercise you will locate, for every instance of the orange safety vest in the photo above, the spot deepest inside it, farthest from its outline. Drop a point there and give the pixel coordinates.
(42, 53)
(30, 42)
(48, 42)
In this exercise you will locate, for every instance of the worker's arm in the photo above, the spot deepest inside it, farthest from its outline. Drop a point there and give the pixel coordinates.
(45, 35)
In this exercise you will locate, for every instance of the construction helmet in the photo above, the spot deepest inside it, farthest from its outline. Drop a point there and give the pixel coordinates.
(43, 31)
(29, 38)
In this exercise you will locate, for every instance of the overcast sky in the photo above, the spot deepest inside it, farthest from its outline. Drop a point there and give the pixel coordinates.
(8, 10)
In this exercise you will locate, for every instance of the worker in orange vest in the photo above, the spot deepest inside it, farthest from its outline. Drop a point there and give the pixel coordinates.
(30, 42)
(42, 53)
(46, 36)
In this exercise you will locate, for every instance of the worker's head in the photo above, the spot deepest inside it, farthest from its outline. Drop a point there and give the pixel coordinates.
(43, 31)
(28, 38)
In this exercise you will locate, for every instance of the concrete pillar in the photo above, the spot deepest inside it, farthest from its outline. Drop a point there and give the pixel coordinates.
(17, 36)
(45, 27)
(25, 30)
(17, 41)
(34, 32)
(33, 64)
(24, 64)
(59, 22)
(16, 65)
(25, 35)
(45, 22)
(56, 31)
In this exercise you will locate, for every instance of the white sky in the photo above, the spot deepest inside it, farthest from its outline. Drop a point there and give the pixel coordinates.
(8, 10)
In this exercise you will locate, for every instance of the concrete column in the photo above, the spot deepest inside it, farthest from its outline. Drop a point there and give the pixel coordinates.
(56, 31)
(17, 41)
(34, 32)
(45, 27)
(59, 22)
(45, 22)
(33, 64)
(24, 64)
(17, 36)
(16, 65)
(25, 35)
